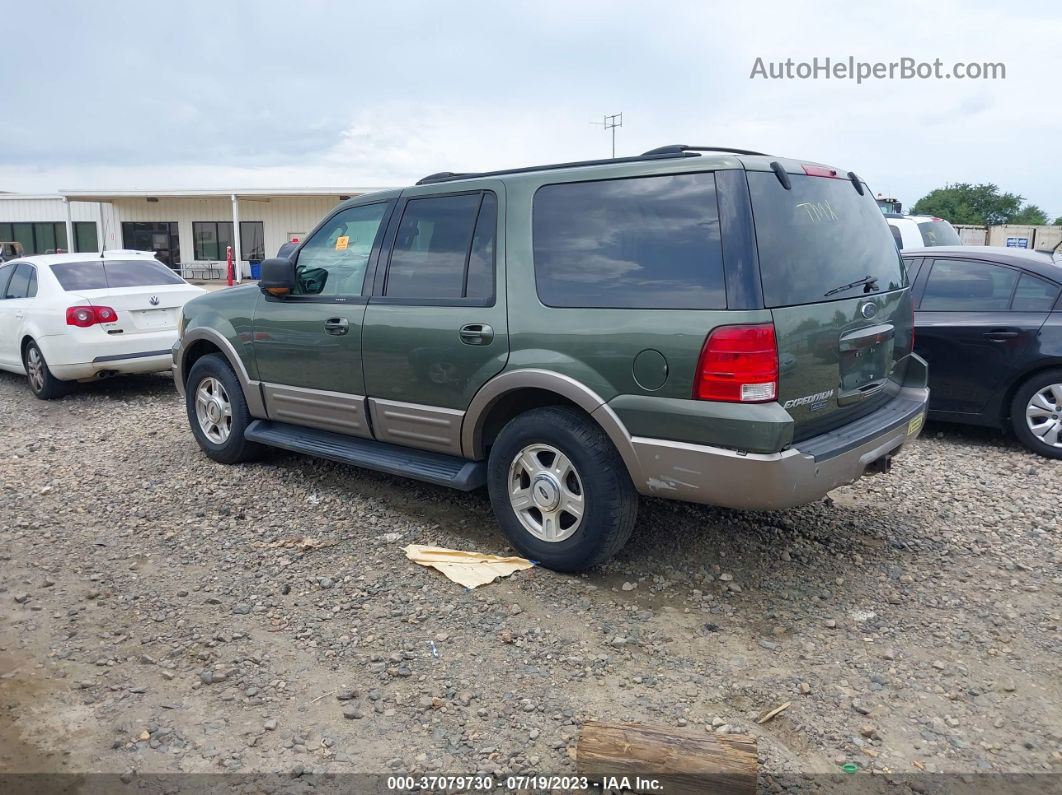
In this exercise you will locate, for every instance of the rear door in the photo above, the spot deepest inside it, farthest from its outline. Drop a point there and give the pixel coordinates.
(977, 324)
(837, 289)
(436, 327)
(18, 285)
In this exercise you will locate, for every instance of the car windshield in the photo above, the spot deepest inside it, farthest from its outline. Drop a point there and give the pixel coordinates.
(99, 274)
(821, 237)
(938, 232)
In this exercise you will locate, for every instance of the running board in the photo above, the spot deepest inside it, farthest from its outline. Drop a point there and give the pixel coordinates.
(438, 468)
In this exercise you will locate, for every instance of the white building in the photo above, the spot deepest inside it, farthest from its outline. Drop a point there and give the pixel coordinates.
(189, 230)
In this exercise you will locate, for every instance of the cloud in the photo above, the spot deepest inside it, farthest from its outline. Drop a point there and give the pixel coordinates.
(265, 93)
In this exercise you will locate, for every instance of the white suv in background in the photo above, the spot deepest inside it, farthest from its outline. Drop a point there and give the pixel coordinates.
(76, 317)
(917, 231)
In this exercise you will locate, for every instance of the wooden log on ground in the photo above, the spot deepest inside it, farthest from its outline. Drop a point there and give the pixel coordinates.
(679, 761)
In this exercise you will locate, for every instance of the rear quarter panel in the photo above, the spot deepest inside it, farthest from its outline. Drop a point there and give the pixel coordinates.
(598, 347)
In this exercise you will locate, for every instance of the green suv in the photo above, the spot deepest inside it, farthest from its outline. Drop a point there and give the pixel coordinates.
(717, 326)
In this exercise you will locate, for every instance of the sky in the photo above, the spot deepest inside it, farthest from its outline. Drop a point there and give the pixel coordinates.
(226, 94)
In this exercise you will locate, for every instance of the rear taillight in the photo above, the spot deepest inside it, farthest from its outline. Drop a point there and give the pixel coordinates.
(85, 316)
(738, 364)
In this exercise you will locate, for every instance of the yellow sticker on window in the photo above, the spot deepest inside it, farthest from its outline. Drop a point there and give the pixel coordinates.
(341, 242)
(915, 425)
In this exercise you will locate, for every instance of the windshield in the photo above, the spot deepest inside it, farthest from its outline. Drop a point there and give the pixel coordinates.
(820, 236)
(101, 274)
(938, 233)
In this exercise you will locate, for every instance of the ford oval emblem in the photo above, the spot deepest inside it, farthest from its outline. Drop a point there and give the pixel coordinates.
(154, 301)
(868, 310)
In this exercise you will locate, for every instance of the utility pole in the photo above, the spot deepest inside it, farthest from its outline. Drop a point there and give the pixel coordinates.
(611, 123)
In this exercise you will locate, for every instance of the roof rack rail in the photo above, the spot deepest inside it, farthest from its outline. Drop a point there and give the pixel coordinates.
(447, 176)
(675, 149)
(440, 177)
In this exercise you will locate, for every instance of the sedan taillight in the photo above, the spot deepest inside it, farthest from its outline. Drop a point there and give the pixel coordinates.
(85, 316)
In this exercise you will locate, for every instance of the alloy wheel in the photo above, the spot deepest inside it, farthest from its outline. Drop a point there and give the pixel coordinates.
(546, 493)
(213, 410)
(35, 368)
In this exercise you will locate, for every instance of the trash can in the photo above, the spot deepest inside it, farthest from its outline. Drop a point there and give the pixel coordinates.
(256, 269)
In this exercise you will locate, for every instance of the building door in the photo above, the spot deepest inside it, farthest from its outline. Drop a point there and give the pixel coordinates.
(158, 236)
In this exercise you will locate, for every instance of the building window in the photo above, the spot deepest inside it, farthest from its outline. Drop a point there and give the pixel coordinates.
(212, 238)
(85, 236)
(160, 237)
(39, 237)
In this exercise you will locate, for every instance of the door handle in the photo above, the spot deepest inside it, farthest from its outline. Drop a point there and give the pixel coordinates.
(337, 326)
(476, 334)
(1001, 334)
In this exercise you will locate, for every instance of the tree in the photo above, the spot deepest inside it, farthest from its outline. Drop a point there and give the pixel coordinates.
(979, 205)
(1030, 214)
(1058, 221)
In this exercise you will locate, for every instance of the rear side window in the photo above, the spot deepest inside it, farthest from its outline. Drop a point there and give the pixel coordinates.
(644, 242)
(939, 233)
(968, 285)
(23, 283)
(1034, 295)
(819, 237)
(896, 235)
(101, 274)
(444, 248)
(5, 275)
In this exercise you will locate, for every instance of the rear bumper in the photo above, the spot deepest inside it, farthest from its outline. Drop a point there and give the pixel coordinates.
(152, 362)
(802, 474)
(72, 358)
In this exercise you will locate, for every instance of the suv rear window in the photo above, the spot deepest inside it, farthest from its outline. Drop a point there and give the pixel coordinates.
(939, 233)
(101, 274)
(819, 236)
(641, 242)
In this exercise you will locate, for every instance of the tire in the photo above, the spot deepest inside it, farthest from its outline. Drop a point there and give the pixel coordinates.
(524, 459)
(42, 383)
(1038, 404)
(220, 432)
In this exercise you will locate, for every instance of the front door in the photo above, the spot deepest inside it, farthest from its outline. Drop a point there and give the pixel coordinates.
(308, 345)
(975, 328)
(435, 327)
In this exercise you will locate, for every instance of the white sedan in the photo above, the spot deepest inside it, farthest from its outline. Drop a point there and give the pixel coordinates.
(78, 317)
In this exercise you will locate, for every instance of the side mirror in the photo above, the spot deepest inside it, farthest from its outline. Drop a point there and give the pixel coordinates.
(278, 276)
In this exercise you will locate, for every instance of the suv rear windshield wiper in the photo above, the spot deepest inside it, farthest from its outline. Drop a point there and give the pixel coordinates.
(870, 283)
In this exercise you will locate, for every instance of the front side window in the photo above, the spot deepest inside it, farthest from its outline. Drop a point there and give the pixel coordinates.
(968, 285)
(333, 261)
(444, 248)
(641, 242)
(1034, 295)
(99, 274)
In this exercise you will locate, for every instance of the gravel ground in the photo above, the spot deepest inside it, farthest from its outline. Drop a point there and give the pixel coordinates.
(159, 617)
